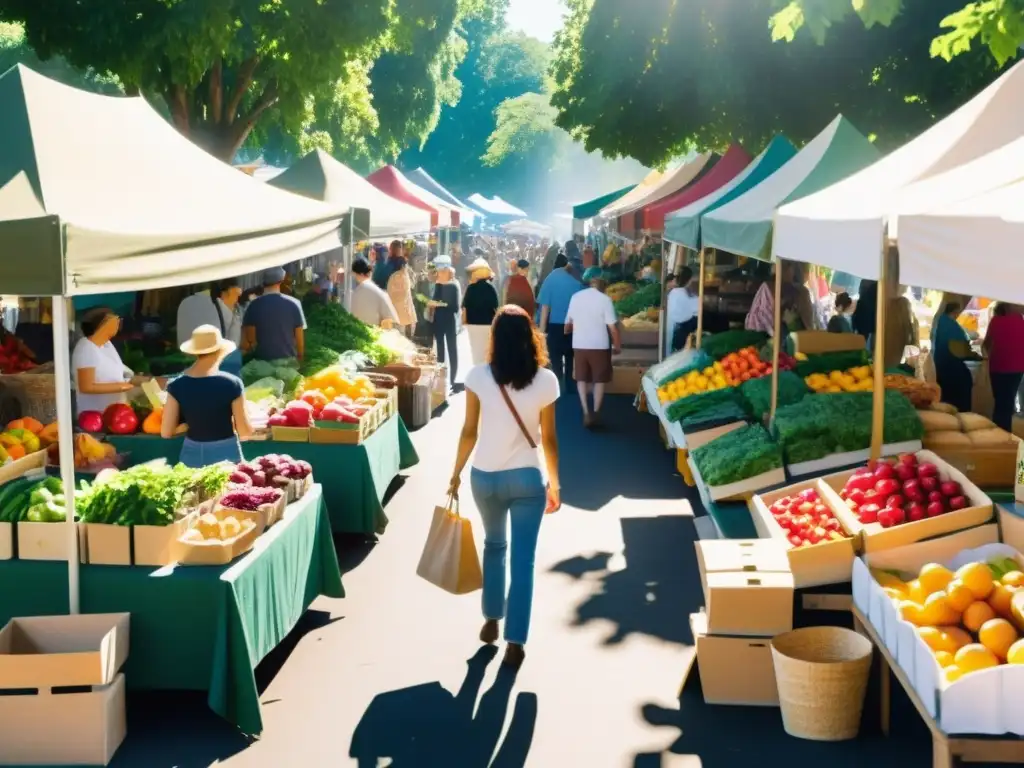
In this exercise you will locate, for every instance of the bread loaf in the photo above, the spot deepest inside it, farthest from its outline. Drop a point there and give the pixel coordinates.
(971, 422)
(939, 422)
(946, 439)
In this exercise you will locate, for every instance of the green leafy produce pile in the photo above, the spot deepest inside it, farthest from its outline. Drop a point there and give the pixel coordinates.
(722, 413)
(696, 405)
(743, 453)
(332, 331)
(822, 425)
(719, 345)
(757, 393)
(697, 363)
(32, 500)
(286, 371)
(827, 362)
(644, 297)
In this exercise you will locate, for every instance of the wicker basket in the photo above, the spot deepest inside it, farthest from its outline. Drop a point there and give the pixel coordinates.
(382, 380)
(36, 389)
(822, 676)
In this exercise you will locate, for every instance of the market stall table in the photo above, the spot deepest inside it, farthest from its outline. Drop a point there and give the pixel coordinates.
(355, 478)
(199, 627)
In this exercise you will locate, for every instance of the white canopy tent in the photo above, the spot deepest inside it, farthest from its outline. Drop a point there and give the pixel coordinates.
(125, 202)
(636, 194)
(843, 225)
(494, 206)
(667, 184)
(527, 228)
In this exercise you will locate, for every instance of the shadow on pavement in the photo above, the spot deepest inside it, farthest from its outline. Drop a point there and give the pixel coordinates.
(425, 725)
(656, 592)
(601, 465)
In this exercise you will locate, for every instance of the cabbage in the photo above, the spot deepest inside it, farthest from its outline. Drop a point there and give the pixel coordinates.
(255, 370)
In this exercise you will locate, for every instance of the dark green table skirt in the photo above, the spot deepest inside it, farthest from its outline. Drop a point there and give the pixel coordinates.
(355, 477)
(199, 627)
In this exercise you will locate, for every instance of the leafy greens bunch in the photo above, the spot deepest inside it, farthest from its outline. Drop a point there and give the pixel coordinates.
(697, 404)
(757, 393)
(743, 453)
(148, 494)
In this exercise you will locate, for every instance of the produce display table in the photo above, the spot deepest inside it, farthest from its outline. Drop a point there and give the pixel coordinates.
(199, 627)
(354, 477)
(947, 751)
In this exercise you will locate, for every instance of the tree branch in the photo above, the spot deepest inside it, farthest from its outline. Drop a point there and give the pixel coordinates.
(242, 129)
(216, 103)
(243, 79)
(178, 102)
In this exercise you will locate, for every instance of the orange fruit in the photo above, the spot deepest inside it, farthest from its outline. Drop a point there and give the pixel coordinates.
(976, 577)
(945, 658)
(1015, 655)
(934, 577)
(973, 657)
(953, 673)
(958, 595)
(1013, 579)
(997, 635)
(958, 636)
(977, 614)
(1000, 600)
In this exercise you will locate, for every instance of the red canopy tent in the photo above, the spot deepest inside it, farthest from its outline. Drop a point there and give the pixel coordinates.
(393, 182)
(725, 170)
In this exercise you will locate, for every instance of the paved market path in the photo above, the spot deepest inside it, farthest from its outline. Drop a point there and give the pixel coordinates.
(395, 670)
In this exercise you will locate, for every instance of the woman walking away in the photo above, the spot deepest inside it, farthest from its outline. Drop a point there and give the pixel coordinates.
(209, 401)
(1004, 343)
(445, 308)
(400, 289)
(950, 348)
(479, 306)
(514, 397)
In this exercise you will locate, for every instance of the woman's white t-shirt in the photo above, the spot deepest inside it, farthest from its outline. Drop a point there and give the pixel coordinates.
(501, 444)
(108, 370)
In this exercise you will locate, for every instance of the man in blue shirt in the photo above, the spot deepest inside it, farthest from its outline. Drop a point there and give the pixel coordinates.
(274, 324)
(560, 286)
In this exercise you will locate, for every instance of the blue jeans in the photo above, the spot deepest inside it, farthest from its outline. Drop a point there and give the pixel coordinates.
(198, 455)
(518, 494)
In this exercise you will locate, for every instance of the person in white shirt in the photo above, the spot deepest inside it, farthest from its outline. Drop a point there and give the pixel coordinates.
(513, 396)
(681, 310)
(370, 303)
(100, 378)
(592, 321)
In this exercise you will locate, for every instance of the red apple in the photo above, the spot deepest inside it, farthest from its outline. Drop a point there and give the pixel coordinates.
(950, 488)
(958, 502)
(857, 496)
(808, 494)
(905, 472)
(927, 469)
(886, 518)
(869, 513)
(887, 487)
(929, 483)
(935, 509)
(911, 485)
(795, 540)
(908, 459)
(898, 516)
(896, 500)
(935, 497)
(884, 472)
(915, 512)
(861, 482)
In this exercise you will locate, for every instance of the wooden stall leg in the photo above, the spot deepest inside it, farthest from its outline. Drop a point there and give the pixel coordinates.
(942, 756)
(885, 687)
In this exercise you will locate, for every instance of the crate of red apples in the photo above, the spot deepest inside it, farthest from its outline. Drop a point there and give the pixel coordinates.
(894, 502)
(820, 548)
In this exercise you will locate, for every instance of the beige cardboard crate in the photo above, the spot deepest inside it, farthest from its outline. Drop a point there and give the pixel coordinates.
(215, 552)
(734, 670)
(48, 541)
(160, 545)
(108, 544)
(290, 434)
(6, 541)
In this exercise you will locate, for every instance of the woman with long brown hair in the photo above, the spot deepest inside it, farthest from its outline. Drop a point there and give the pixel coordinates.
(514, 396)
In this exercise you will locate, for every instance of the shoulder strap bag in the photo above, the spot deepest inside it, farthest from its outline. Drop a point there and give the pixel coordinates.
(515, 415)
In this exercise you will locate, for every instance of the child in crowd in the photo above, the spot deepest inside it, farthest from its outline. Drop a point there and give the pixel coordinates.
(840, 321)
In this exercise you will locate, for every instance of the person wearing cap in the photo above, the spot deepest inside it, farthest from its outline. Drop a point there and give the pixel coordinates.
(479, 306)
(369, 303)
(209, 401)
(274, 325)
(444, 309)
(555, 295)
(518, 290)
(593, 323)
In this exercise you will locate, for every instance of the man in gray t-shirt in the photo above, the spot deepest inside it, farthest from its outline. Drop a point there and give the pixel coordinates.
(369, 303)
(274, 324)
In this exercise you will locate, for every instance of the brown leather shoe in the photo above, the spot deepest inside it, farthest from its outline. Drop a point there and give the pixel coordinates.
(489, 632)
(515, 655)
(588, 420)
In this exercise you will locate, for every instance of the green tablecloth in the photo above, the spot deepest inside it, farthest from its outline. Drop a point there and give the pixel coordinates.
(355, 477)
(199, 627)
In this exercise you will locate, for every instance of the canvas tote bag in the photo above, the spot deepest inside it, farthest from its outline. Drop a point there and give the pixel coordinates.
(449, 559)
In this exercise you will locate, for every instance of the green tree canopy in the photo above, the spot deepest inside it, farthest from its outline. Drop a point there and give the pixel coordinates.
(224, 66)
(702, 73)
(14, 49)
(997, 25)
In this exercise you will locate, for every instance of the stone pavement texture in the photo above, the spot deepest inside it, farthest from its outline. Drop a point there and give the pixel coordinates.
(394, 673)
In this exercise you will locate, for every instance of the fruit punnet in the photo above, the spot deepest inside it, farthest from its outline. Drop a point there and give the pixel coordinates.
(806, 519)
(967, 617)
(904, 491)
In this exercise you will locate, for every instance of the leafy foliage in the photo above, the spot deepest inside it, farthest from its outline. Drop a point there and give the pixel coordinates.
(738, 455)
(998, 25)
(14, 49)
(693, 73)
(757, 393)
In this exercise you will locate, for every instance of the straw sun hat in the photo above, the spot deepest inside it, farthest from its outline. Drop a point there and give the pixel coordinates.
(480, 265)
(206, 340)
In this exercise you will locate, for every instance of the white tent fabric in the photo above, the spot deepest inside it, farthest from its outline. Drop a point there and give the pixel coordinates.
(637, 193)
(527, 228)
(842, 226)
(139, 206)
(667, 184)
(962, 231)
(494, 206)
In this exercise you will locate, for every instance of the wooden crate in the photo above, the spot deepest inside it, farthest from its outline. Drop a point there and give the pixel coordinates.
(335, 433)
(291, 434)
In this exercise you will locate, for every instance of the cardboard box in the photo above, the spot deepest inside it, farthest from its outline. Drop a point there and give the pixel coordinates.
(874, 537)
(218, 552)
(108, 544)
(6, 541)
(159, 545)
(829, 562)
(986, 467)
(989, 701)
(55, 651)
(817, 342)
(63, 728)
(734, 670)
(626, 379)
(748, 587)
(48, 541)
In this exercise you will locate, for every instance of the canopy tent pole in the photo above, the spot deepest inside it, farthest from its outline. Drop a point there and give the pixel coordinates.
(776, 340)
(349, 249)
(700, 300)
(65, 437)
(663, 314)
(878, 391)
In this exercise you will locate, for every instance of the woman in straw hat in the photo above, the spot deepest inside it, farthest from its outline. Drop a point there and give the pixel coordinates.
(210, 402)
(479, 305)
